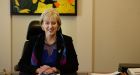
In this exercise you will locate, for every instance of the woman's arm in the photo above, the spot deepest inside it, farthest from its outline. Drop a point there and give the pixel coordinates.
(72, 60)
(24, 63)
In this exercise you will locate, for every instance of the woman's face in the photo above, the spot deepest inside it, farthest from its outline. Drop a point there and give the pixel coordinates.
(50, 26)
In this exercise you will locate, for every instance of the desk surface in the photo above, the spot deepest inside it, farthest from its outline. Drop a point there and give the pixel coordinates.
(78, 73)
(17, 73)
(83, 74)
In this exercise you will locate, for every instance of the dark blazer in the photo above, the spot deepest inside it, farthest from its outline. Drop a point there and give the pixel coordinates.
(72, 62)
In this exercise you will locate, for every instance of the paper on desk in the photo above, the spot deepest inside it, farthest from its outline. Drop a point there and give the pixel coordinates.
(114, 73)
(133, 71)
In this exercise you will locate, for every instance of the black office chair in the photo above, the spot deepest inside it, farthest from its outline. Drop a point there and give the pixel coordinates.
(34, 29)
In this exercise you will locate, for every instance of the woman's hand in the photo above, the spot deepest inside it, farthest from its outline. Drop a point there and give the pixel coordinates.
(42, 69)
(39, 71)
(54, 68)
(46, 70)
(50, 70)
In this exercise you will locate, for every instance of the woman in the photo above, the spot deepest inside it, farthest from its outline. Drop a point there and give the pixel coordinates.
(51, 52)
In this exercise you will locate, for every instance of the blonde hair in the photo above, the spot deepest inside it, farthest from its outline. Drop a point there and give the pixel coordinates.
(50, 13)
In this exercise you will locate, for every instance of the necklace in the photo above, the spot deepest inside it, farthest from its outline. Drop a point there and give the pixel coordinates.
(50, 48)
(50, 45)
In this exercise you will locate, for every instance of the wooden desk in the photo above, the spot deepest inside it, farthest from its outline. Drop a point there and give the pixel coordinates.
(83, 73)
(17, 73)
(107, 74)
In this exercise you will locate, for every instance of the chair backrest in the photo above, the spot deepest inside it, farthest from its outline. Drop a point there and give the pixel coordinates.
(34, 29)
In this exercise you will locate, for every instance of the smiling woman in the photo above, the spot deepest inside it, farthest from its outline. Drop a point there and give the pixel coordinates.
(35, 7)
(50, 52)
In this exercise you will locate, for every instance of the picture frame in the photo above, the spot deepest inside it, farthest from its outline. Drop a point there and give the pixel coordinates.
(36, 7)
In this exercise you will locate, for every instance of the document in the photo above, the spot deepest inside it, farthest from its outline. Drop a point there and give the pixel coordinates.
(133, 71)
(114, 73)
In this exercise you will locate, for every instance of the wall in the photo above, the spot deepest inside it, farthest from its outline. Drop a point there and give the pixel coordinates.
(114, 34)
(117, 34)
(79, 27)
(5, 36)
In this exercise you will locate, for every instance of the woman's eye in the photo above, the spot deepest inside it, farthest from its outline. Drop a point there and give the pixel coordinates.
(53, 23)
(47, 23)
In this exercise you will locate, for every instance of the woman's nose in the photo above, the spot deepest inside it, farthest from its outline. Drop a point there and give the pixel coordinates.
(50, 25)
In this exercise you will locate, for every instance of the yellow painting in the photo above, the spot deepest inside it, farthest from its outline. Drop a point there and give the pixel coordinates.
(35, 7)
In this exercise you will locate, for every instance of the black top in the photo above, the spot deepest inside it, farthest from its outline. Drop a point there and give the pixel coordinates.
(72, 62)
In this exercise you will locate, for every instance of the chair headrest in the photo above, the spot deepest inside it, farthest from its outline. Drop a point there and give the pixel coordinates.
(34, 29)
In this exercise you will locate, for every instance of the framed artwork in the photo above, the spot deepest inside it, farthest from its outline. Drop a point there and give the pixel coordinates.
(36, 7)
